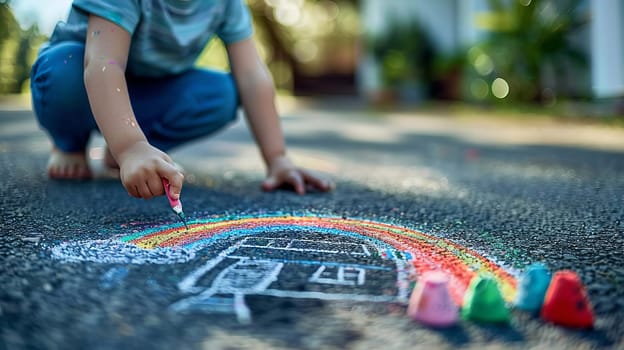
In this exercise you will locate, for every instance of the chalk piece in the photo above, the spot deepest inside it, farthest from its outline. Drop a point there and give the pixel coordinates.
(566, 302)
(483, 301)
(532, 288)
(431, 303)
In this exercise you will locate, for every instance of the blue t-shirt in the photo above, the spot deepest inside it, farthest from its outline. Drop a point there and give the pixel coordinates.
(167, 35)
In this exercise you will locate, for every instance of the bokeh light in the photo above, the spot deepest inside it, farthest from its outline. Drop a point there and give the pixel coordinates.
(483, 64)
(305, 50)
(479, 89)
(287, 13)
(500, 88)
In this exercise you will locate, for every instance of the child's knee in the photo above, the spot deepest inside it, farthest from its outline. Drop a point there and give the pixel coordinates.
(219, 101)
(202, 103)
(59, 98)
(57, 81)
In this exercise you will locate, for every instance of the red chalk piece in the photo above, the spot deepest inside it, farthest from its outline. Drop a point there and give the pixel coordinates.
(566, 302)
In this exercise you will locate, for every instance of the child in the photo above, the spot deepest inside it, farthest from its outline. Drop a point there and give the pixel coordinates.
(125, 68)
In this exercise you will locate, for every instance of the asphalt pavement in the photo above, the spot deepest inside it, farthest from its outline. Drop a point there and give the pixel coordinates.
(516, 191)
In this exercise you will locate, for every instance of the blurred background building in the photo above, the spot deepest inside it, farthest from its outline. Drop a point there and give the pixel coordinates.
(527, 50)
(488, 52)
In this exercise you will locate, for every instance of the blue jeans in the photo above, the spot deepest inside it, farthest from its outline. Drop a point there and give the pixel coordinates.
(171, 110)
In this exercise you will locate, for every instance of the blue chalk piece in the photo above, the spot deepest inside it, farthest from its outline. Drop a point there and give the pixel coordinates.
(532, 288)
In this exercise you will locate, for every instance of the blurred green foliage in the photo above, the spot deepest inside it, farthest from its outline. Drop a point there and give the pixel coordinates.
(18, 48)
(306, 38)
(295, 38)
(298, 38)
(529, 51)
(526, 56)
(405, 53)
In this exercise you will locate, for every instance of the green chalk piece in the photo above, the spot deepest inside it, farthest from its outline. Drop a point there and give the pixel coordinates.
(483, 301)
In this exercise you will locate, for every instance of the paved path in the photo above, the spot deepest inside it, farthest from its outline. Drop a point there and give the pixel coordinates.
(515, 192)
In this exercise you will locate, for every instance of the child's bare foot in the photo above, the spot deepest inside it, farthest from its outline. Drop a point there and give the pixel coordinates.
(72, 166)
(102, 164)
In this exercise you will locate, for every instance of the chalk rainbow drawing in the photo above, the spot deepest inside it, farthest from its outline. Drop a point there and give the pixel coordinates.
(332, 258)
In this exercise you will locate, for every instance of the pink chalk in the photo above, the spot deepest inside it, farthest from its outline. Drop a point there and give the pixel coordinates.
(431, 303)
(175, 203)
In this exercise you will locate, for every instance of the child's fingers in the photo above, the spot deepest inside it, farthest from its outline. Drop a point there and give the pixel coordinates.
(175, 179)
(292, 178)
(132, 190)
(317, 182)
(270, 183)
(296, 180)
(155, 185)
(144, 191)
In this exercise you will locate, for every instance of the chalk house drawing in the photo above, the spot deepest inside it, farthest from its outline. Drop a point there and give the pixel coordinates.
(312, 269)
(325, 258)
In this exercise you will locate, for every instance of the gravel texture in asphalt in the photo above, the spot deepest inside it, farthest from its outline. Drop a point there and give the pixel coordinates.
(515, 191)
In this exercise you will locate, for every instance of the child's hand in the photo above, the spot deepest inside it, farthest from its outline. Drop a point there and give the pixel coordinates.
(142, 168)
(283, 172)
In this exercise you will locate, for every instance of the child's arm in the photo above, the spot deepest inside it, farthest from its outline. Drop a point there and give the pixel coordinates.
(142, 166)
(257, 94)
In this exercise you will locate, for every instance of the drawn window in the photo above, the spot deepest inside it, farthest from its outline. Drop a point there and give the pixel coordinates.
(339, 275)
